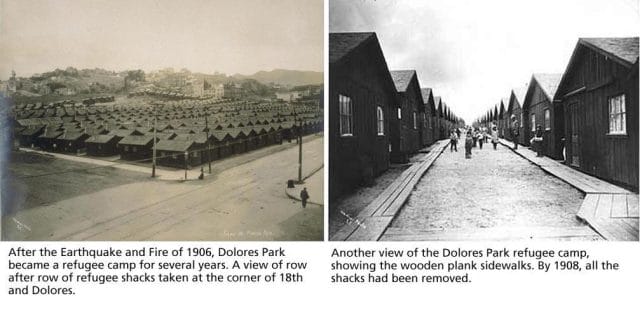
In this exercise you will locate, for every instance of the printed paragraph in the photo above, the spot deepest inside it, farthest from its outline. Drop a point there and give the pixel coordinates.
(456, 265)
(66, 270)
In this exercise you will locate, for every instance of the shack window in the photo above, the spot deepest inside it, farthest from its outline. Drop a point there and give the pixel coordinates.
(346, 116)
(399, 113)
(533, 122)
(547, 119)
(380, 119)
(415, 121)
(617, 115)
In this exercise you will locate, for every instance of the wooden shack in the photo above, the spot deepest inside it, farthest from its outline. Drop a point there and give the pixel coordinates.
(539, 110)
(178, 153)
(72, 141)
(136, 147)
(502, 117)
(429, 112)
(361, 93)
(102, 145)
(599, 96)
(405, 124)
(514, 111)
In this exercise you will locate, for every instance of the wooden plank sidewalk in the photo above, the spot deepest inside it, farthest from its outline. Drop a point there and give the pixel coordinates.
(610, 210)
(583, 233)
(374, 219)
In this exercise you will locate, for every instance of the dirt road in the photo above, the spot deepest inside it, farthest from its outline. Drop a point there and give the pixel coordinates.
(244, 202)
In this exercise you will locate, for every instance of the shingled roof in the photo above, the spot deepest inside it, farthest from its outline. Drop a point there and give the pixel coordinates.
(342, 43)
(174, 145)
(426, 92)
(548, 82)
(625, 49)
(402, 78)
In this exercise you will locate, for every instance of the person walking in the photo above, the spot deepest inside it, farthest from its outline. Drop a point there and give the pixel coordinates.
(494, 136)
(480, 138)
(304, 196)
(453, 139)
(468, 144)
(515, 131)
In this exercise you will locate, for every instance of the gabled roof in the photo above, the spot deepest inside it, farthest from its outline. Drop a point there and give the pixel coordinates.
(101, 139)
(548, 82)
(402, 78)
(136, 140)
(342, 43)
(437, 103)
(174, 145)
(74, 135)
(427, 98)
(625, 49)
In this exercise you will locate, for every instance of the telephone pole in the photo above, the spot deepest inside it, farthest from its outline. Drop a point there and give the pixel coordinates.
(206, 122)
(155, 125)
(299, 139)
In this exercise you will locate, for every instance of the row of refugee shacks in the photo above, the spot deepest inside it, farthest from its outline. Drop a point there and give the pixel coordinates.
(588, 115)
(376, 116)
(186, 133)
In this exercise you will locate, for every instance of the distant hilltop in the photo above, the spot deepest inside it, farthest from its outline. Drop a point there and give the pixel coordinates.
(285, 77)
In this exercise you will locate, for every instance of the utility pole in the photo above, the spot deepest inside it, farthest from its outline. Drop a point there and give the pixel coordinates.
(206, 122)
(155, 125)
(186, 157)
(299, 147)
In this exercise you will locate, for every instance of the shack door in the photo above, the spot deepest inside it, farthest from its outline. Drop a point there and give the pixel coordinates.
(574, 123)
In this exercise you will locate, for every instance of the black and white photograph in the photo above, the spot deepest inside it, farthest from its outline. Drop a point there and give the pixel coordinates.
(483, 120)
(162, 120)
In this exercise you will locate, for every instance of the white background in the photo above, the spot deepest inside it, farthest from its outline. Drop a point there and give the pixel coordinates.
(505, 290)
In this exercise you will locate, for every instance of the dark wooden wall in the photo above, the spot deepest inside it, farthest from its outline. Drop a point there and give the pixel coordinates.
(537, 103)
(611, 157)
(364, 77)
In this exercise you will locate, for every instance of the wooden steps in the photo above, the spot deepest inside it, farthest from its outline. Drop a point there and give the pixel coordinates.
(374, 219)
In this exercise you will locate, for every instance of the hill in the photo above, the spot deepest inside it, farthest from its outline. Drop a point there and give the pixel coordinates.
(285, 77)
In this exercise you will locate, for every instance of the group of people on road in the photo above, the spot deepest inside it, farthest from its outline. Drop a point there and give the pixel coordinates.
(477, 136)
(474, 137)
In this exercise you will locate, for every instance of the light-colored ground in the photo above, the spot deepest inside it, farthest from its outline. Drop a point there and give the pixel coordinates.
(315, 187)
(244, 202)
(493, 189)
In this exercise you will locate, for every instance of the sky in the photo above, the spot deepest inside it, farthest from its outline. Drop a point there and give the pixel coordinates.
(201, 35)
(472, 53)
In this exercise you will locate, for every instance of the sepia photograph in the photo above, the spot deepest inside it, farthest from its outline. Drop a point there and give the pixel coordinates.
(483, 120)
(162, 120)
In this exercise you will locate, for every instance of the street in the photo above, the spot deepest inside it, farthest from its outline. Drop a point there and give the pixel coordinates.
(494, 195)
(245, 201)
